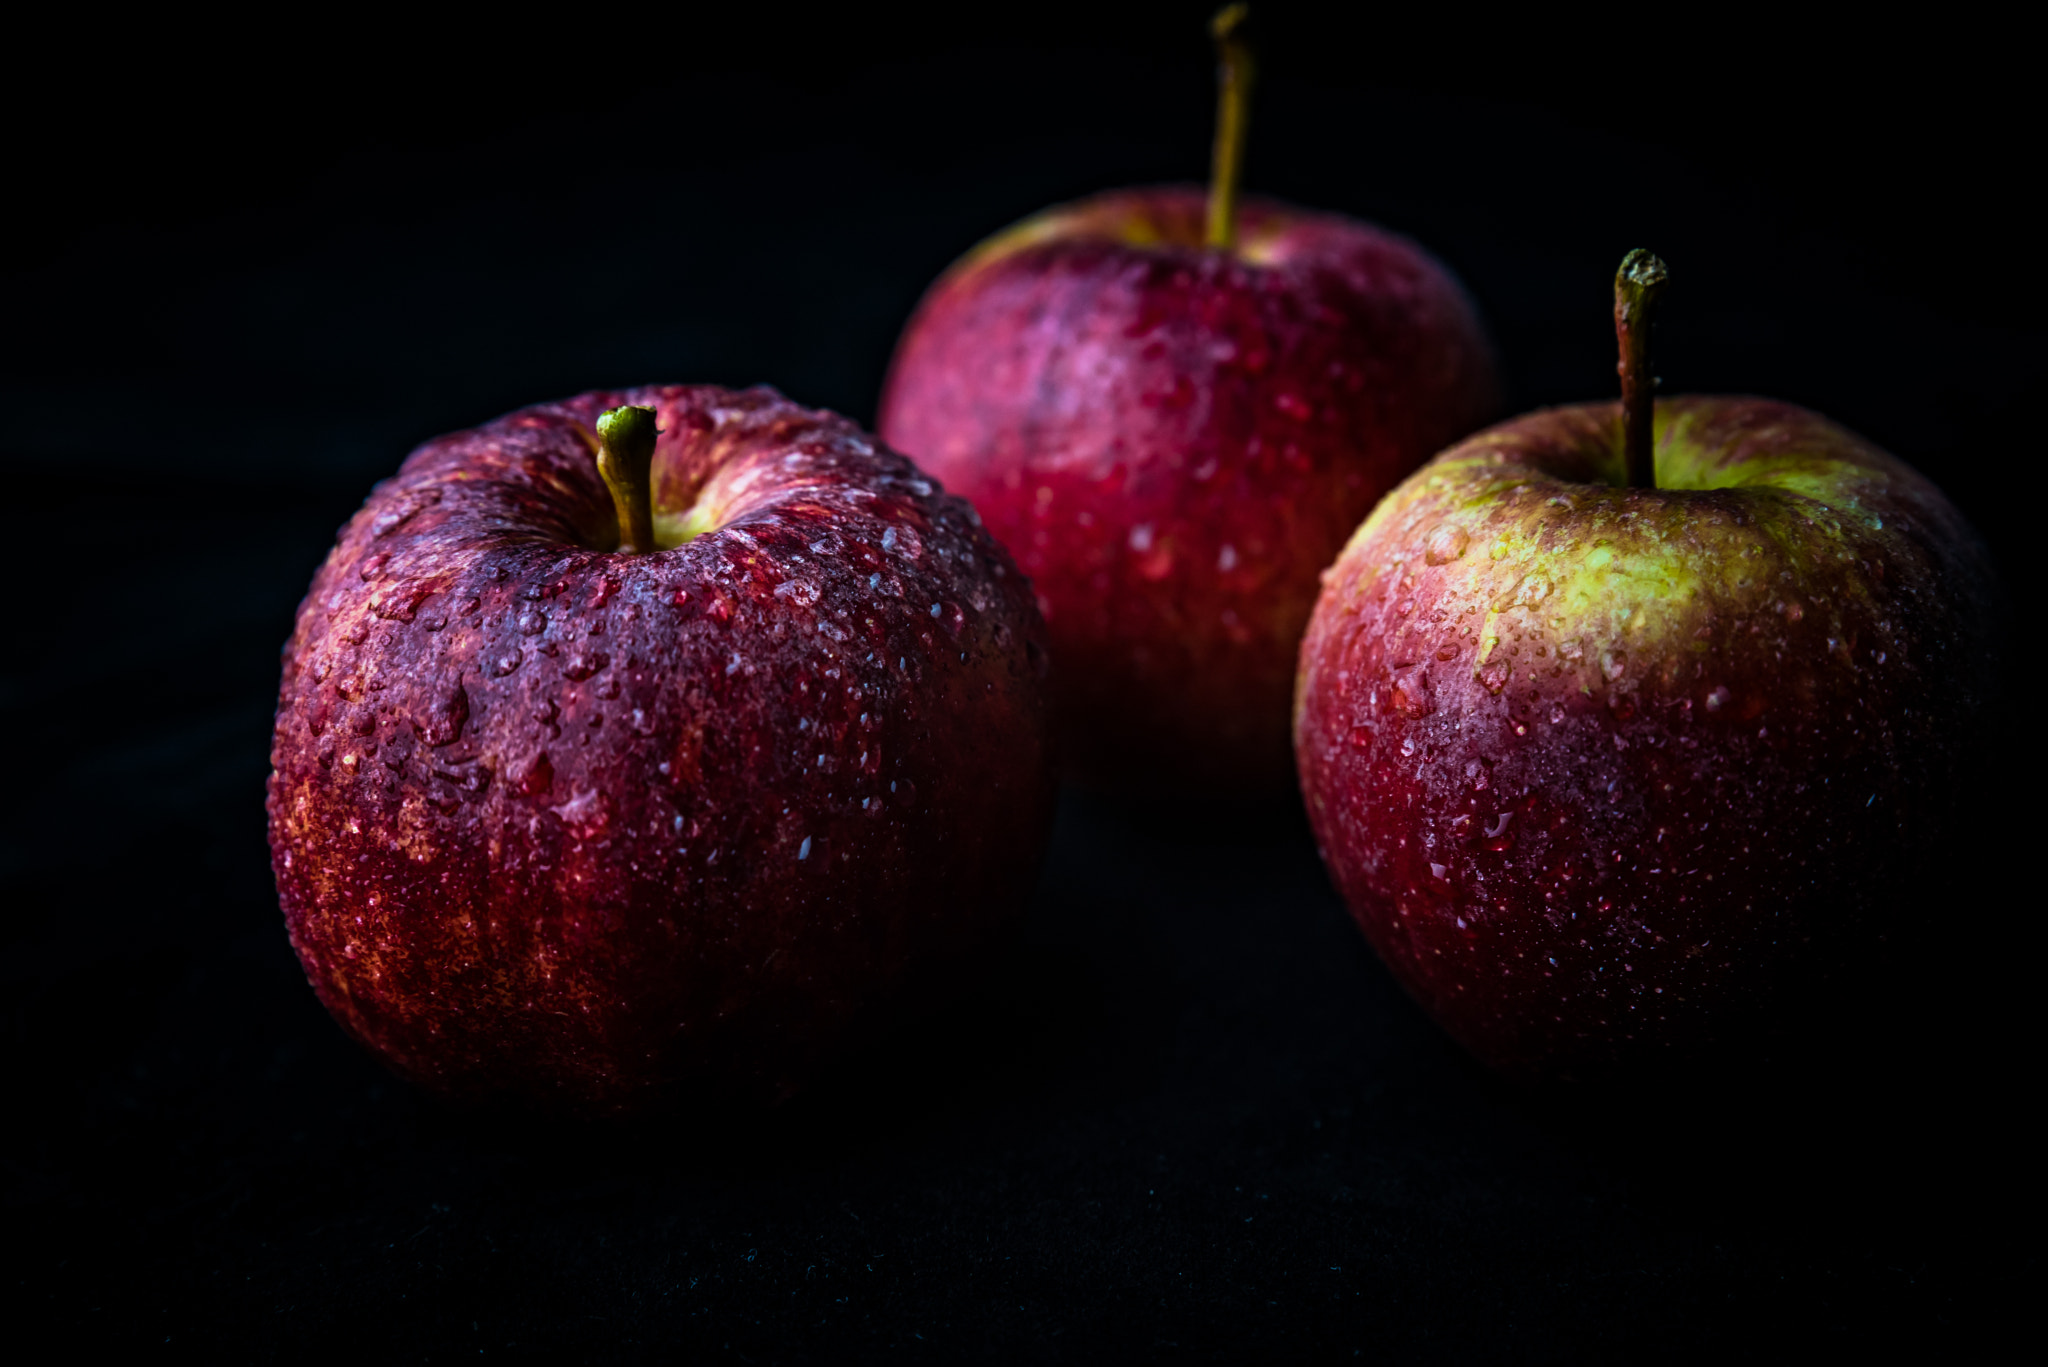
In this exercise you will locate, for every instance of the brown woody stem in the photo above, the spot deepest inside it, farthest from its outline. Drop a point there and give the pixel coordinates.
(1636, 287)
(1235, 71)
(625, 457)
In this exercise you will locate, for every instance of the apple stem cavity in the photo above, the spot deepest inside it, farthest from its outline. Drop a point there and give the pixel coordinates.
(1234, 73)
(1636, 287)
(625, 457)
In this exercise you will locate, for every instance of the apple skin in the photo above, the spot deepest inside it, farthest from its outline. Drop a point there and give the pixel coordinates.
(593, 829)
(1173, 441)
(1612, 777)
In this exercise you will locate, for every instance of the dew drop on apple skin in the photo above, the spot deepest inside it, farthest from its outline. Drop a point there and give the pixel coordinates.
(1446, 544)
(801, 591)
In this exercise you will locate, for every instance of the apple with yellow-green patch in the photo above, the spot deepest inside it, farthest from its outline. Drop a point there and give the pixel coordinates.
(1614, 771)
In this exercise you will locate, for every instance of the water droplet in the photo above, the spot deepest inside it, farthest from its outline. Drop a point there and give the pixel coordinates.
(584, 809)
(443, 723)
(1141, 537)
(1718, 699)
(403, 511)
(1226, 559)
(1413, 697)
(583, 664)
(803, 851)
(1446, 544)
(534, 776)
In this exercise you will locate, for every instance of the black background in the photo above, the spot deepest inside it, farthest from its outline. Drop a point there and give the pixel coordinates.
(1191, 1117)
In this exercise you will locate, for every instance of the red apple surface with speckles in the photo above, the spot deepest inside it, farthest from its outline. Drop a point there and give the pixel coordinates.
(1174, 440)
(1612, 775)
(592, 828)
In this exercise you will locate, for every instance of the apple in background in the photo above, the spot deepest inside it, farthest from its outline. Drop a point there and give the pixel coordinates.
(1173, 410)
(585, 822)
(1612, 771)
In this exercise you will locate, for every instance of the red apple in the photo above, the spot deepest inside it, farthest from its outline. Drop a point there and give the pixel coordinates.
(1614, 774)
(584, 823)
(1174, 440)
(1173, 408)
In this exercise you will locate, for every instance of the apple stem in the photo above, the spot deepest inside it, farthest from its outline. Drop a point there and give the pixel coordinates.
(625, 457)
(1636, 287)
(1234, 72)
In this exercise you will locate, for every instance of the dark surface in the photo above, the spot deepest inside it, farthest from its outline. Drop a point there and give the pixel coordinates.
(1191, 1117)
